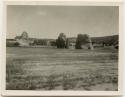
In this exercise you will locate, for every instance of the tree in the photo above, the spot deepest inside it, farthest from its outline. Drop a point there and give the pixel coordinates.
(16, 44)
(83, 40)
(67, 43)
(79, 40)
(61, 41)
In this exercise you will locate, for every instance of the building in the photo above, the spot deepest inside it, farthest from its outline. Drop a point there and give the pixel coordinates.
(71, 42)
(24, 40)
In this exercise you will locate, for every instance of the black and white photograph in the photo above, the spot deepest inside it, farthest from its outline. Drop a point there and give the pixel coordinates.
(62, 48)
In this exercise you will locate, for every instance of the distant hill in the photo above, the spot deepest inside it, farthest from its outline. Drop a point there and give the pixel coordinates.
(110, 40)
(106, 39)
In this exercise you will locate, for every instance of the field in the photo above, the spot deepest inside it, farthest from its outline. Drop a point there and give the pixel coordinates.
(62, 69)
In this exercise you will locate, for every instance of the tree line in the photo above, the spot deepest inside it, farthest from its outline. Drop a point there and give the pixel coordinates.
(82, 39)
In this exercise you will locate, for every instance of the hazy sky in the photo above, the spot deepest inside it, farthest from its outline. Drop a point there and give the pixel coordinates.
(49, 21)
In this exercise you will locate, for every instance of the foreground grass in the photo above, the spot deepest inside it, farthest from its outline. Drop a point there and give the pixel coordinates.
(54, 69)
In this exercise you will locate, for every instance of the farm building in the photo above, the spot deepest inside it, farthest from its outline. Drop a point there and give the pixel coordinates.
(71, 42)
(24, 40)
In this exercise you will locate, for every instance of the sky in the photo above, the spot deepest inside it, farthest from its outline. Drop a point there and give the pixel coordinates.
(48, 21)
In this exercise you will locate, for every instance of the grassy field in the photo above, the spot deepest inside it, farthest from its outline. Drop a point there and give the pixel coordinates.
(61, 69)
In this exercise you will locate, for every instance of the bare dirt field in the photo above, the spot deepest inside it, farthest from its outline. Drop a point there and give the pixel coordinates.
(61, 69)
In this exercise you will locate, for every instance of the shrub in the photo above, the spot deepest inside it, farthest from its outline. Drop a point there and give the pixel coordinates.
(61, 41)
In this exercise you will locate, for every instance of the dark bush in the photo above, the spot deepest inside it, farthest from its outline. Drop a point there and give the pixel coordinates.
(61, 41)
(81, 39)
(12, 44)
